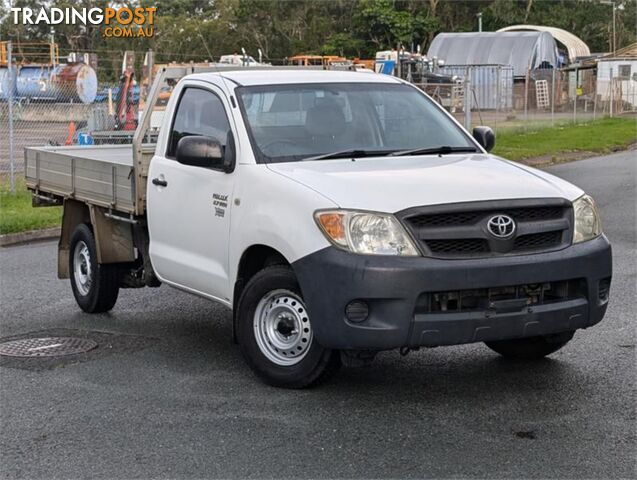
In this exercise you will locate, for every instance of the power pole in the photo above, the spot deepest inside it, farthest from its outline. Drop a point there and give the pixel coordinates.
(614, 30)
(614, 5)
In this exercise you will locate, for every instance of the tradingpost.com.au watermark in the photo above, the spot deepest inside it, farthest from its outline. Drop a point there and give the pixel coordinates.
(117, 22)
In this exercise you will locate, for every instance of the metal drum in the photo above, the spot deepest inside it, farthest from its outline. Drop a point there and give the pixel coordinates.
(7, 83)
(74, 82)
(33, 82)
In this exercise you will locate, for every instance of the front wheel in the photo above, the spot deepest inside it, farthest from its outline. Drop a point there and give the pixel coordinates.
(95, 286)
(531, 348)
(275, 333)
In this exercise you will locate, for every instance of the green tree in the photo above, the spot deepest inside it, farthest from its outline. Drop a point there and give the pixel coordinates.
(205, 29)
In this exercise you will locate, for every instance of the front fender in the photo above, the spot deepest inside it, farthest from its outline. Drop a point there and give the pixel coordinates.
(272, 210)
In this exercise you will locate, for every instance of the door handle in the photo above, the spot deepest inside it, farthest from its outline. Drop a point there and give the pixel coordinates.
(159, 182)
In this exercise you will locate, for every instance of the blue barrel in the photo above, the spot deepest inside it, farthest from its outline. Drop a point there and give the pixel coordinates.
(7, 83)
(73, 82)
(33, 82)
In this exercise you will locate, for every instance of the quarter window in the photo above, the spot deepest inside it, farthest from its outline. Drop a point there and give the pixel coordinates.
(199, 112)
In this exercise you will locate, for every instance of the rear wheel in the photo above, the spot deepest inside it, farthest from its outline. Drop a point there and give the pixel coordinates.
(531, 348)
(95, 286)
(275, 332)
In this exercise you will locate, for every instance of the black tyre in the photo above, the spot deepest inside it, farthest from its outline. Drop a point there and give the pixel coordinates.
(95, 286)
(531, 348)
(275, 333)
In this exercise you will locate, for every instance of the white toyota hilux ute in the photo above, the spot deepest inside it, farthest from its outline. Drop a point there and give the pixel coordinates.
(338, 215)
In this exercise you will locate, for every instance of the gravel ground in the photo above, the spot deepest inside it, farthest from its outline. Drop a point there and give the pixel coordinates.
(167, 394)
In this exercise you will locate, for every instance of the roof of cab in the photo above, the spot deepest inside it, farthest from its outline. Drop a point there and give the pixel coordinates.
(250, 77)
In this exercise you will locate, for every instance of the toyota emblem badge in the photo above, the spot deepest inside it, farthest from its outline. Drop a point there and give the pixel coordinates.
(501, 226)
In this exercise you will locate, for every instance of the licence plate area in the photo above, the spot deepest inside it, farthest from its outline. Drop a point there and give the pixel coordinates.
(500, 299)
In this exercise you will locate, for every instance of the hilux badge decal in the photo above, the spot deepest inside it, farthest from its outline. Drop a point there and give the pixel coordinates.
(220, 202)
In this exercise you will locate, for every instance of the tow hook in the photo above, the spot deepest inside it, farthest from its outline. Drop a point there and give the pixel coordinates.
(405, 350)
(357, 358)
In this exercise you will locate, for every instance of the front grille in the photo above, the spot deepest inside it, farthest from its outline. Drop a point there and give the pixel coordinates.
(467, 218)
(494, 298)
(461, 230)
(537, 240)
(444, 219)
(462, 245)
(535, 213)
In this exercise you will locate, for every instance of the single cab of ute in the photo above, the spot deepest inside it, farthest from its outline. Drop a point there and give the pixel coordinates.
(338, 214)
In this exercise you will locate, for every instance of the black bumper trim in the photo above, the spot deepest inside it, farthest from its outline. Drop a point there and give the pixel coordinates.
(331, 278)
(451, 328)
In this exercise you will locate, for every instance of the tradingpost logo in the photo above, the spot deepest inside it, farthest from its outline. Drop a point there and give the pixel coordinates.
(118, 22)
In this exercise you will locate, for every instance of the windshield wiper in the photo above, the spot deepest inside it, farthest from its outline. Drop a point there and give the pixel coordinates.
(354, 153)
(444, 150)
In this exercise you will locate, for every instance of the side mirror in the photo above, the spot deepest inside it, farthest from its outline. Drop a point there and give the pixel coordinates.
(485, 137)
(200, 151)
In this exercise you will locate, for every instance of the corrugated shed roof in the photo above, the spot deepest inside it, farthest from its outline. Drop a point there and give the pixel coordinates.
(521, 50)
(574, 45)
(629, 51)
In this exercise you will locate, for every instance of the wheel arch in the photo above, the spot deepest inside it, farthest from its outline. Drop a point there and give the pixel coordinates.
(253, 259)
(74, 213)
(114, 239)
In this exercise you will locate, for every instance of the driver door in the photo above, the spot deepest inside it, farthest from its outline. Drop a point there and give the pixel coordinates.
(189, 207)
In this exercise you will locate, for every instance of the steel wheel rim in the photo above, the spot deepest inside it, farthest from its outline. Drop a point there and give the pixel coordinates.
(82, 268)
(282, 327)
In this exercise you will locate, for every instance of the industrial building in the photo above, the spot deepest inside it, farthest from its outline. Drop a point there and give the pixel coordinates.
(621, 67)
(520, 50)
(570, 47)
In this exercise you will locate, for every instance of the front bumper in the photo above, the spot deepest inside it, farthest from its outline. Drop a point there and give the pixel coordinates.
(394, 288)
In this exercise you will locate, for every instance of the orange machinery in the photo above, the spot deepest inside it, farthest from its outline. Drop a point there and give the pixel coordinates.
(315, 60)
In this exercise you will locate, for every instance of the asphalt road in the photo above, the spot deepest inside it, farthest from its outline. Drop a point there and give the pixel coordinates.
(168, 395)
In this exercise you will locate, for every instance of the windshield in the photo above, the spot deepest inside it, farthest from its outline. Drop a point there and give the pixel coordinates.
(296, 122)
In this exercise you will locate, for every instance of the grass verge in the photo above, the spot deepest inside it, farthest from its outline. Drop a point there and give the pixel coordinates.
(600, 136)
(17, 214)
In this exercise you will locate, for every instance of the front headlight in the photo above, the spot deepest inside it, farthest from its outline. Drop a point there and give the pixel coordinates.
(587, 222)
(365, 233)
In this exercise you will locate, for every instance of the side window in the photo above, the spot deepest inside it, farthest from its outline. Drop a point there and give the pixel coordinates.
(199, 112)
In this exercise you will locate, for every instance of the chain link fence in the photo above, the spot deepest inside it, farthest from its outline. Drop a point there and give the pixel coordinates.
(36, 110)
(491, 95)
(55, 115)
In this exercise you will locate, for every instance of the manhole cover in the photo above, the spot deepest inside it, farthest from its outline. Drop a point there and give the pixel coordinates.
(46, 347)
